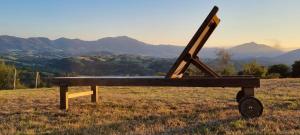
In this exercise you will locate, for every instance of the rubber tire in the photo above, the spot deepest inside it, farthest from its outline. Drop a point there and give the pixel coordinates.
(250, 107)
(239, 95)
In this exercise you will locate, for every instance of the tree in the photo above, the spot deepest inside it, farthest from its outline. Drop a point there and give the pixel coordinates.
(281, 69)
(296, 69)
(225, 66)
(255, 69)
(223, 58)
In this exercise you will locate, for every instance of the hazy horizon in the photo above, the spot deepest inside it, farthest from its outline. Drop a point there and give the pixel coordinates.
(271, 22)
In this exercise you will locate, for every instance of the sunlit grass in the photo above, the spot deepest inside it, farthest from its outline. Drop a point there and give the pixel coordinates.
(151, 110)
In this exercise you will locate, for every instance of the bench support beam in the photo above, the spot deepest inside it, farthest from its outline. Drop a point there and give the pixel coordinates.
(204, 68)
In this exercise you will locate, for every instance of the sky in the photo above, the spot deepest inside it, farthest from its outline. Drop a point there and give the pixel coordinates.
(272, 22)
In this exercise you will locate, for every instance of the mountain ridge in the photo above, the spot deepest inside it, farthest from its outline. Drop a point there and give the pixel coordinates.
(64, 47)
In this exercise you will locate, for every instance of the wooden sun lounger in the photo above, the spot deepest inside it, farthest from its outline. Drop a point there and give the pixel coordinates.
(249, 106)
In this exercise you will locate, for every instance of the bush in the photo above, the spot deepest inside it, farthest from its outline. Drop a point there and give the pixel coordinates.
(273, 76)
(229, 70)
(281, 69)
(296, 69)
(255, 69)
(6, 76)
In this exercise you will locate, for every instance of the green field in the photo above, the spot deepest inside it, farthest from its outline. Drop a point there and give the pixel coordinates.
(151, 110)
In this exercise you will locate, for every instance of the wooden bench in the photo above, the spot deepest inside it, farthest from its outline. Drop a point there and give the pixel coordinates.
(249, 106)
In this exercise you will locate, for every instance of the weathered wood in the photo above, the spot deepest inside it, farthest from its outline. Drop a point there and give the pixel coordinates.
(64, 102)
(80, 94)
(159, 81)
(195, 45)
(94, 96)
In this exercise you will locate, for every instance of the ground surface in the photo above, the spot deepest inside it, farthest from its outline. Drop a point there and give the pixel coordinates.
(138, 110)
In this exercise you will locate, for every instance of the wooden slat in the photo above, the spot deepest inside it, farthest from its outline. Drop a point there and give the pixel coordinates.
(80, 94)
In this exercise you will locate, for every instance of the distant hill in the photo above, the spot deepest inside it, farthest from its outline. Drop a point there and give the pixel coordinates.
(76, 47)
(288, 57)
(254, 50)
(64, 47)
(15, 44)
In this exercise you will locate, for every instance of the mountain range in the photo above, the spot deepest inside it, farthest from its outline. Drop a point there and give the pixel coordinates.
(63, 47)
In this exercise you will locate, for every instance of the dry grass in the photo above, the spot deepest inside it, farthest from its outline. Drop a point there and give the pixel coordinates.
(141, 110)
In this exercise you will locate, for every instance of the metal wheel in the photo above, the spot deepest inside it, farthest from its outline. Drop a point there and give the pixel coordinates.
(239, 95)
(250, 107)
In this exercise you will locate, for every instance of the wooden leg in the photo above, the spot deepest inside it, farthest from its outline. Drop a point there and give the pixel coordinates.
(94, 96)
(64, 103)
(249, 92)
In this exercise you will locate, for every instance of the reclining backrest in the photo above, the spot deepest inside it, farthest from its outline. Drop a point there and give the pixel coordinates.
(195, 45)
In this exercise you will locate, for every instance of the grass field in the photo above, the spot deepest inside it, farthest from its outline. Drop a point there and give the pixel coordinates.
(151, 110)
